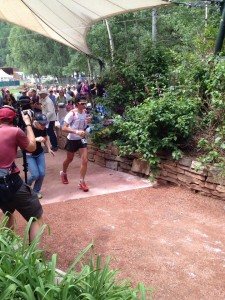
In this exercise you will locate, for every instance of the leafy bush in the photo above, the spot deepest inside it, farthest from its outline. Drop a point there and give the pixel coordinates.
(186, 87)
(189, 113)
(25, 274)
(160, 124)
(211, 129)
(129, 82)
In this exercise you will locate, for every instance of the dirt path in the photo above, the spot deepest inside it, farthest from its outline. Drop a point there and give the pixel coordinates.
(167, 237)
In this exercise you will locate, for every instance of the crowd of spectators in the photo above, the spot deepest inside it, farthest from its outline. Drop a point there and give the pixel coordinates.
(63, 97)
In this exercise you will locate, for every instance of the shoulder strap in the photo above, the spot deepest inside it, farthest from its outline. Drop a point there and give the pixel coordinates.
(74, 112)
(12, 167)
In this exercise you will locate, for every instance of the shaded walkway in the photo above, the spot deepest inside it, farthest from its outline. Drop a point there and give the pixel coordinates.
(100, 180)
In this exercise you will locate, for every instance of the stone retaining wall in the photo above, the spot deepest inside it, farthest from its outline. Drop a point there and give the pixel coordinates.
(182, 172)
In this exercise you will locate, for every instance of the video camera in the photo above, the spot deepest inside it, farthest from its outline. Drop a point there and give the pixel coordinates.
(29, 112)
(19, 121)
(23, 104)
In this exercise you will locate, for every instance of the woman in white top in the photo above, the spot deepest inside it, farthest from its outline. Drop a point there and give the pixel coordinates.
(61, 103)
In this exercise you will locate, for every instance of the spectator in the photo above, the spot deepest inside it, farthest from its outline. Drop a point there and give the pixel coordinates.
(18, 96)
(55, 92)
(24, 100)
(85, 89)
(36, 159)
(52, 97)
(92, 87)
(61, 103)
(13, 100)
(7, 100)
(79, 86)
(70, 106)
(1, 101)
(35, 104)
(49, 110)
(100, 89)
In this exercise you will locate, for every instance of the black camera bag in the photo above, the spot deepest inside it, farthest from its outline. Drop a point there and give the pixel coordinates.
(9, 185)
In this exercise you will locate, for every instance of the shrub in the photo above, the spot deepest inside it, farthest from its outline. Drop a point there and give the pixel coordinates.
(128, 82)
(161, 124)
(166, 123)
(211, 129)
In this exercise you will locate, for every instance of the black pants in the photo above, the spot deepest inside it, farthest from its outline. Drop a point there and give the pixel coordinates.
(51, 134)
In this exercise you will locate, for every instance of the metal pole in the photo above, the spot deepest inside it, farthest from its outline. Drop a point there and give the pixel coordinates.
(154, 25)
(89, 68)
(111, 43)
(221, 33)
(206, 18)
(206, 14)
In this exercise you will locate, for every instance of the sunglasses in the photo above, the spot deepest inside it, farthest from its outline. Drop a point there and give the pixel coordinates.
(81, 103)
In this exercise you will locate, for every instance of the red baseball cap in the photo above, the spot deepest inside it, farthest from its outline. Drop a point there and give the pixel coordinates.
(7, 114)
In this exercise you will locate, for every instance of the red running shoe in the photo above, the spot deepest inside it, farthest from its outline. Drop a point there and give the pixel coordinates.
(64, 178)
(83, 186)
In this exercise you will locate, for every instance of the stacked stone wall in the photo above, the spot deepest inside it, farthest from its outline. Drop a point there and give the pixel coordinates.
(182, 172)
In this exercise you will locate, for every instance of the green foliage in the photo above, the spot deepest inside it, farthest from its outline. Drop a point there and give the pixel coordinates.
(211, 129)
(187, 67)
(36, 54)
(98, 41)
(26, 275)
(129, 83)
(77, 63)
(164, 123)
(4, 51)
(103, 134)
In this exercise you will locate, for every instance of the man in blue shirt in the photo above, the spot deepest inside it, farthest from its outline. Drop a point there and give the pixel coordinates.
(52, 97)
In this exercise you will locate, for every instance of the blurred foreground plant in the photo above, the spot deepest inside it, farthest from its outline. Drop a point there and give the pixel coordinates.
(26, 274)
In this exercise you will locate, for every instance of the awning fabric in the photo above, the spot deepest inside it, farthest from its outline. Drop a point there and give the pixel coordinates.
(67, 21)
(4, 75)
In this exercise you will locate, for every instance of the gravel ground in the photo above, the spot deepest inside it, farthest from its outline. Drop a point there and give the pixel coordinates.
(167, 237)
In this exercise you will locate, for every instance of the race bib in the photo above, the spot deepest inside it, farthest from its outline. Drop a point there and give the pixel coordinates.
(83, 141)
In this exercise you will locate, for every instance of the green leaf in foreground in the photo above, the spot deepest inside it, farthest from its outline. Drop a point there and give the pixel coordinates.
(26, 275)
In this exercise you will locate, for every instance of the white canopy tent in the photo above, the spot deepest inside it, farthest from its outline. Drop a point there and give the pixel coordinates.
(4, 75)
(67, 21)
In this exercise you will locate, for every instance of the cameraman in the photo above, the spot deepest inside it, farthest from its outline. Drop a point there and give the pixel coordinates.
(24, 100)
(14, 193)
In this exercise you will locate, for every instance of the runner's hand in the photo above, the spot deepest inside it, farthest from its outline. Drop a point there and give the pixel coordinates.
(80, 133)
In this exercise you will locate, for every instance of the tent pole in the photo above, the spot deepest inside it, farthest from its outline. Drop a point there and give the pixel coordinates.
(221, 33)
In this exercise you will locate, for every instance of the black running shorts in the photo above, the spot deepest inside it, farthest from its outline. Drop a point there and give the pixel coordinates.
(74, 145)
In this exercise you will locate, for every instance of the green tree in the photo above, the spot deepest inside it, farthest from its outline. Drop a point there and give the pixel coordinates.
(77, 63)
(36, 54)
(4, 34)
